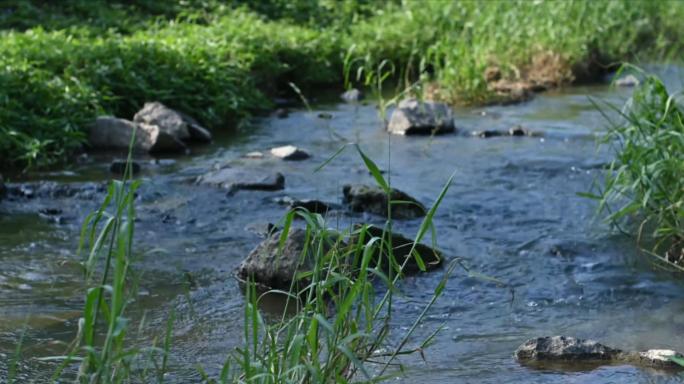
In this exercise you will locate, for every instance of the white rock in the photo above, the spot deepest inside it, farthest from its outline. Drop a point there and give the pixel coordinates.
(289, 152)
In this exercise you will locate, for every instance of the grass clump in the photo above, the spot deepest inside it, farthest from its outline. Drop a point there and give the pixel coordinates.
(647, 176)
(62, 64)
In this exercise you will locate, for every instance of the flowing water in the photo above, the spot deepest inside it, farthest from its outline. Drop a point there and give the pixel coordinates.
(513, 214)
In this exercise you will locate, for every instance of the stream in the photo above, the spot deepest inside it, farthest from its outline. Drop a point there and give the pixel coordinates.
(512, 213)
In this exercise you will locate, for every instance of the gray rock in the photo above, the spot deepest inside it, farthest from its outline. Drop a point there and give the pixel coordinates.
(313, 206)
(373, 199)
(627, 81)
(421, 117)
(488, 133)
(197, 132)
(563, 348)
(281, 113)
(401, 248)
(168, 120)
(113, 133)
(273, 267)
(234, 179)
(290, 152)
(118, 167)
(352, 95)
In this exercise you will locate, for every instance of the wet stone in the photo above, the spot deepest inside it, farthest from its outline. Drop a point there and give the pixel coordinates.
(272, 266)
(352, 95)
(488, 133)
(627, 81)
(570, 350)
(118, 167)
(401, 248)
(233, 179)
(313, 206)
(414, 117)
(290, 152)
(563, 348)
(373, 199)
(325, 116)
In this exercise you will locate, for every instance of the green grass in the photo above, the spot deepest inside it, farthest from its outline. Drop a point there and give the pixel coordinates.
(646, 180)
(61, 65)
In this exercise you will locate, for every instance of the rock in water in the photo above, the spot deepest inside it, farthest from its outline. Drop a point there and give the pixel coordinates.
(563, 348)
(401, 248)
(352, 95)
(627, 81)
(313, 206)
(289, 152)
(118, 167)
(421, 117)
(234, 179)
(372, 199)
(273, 267)
(113, 133)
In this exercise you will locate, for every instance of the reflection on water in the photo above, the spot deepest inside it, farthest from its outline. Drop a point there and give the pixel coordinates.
(513, 213)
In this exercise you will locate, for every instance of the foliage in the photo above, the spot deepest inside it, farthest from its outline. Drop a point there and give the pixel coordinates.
(63, 63)
(647, 175)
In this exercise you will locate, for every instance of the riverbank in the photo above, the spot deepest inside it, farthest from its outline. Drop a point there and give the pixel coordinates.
(60, 67)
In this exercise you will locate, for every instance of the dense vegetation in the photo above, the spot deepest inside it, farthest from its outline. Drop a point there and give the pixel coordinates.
(62, 63)
(646, 179)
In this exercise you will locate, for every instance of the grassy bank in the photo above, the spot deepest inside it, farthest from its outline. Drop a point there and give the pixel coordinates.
(644, 187)
(61, 65)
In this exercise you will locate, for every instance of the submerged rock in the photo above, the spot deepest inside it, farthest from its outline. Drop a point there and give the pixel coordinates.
(113, 133)
(313, 206)
(413, 117)
(234, 179)
(254, 155)
(565, 349)
(118, 167)
(373, 199)
(488, 133)
(172, 122)
(627, 81)
(290, 152)
(401, 249)
(352, 95)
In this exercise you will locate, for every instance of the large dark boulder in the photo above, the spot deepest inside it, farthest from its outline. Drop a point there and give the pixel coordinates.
(401, 249)
(373, 199)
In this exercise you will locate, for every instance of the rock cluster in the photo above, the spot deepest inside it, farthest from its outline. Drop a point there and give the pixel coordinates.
(157, 128)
